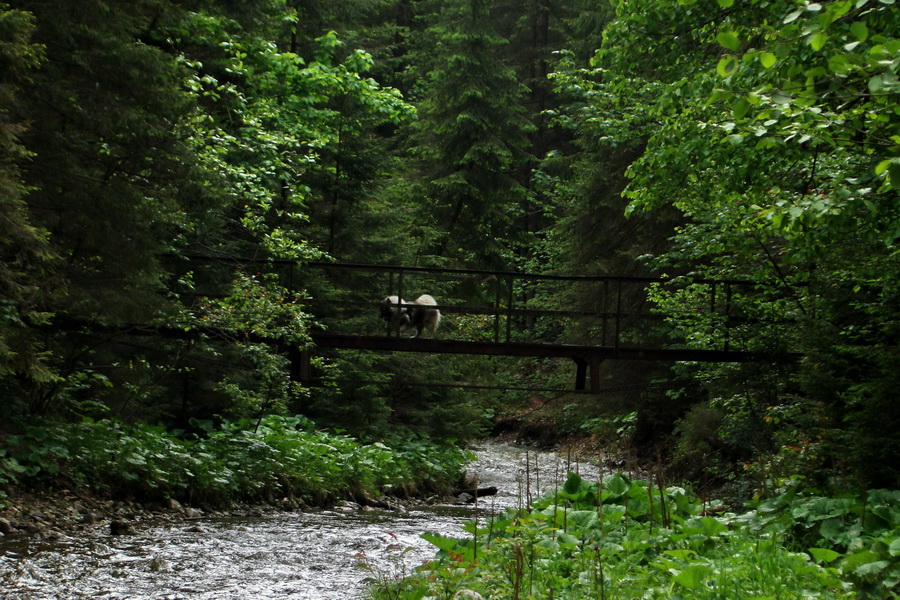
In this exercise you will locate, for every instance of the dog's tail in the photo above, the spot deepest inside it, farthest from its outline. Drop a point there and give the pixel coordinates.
(426, 300)
(432, 316)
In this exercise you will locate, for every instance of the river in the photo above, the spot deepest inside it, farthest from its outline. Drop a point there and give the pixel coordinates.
(314, 555)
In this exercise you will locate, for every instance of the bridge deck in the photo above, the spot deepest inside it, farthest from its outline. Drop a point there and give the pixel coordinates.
(332, 340)
(585, 357)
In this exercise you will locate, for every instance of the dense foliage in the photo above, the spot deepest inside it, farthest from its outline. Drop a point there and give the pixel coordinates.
(170, 170)
(771, 127)
(270, 460)
(637, 540)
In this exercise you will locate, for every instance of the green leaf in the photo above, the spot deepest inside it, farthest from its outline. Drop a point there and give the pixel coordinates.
(824, 555)
(767, 59)
(777, 220)
(740, 108)
(617, 485)
(872, 568)
(854, 561)
(894, 174)
(839, 63)
(726, 3)
(727, 65)
(817, 41)
(729, 39)
(693, 576)
(832, 529)
(859, 30)
(712, 526)
(447, 544)
(582, 519)
(793, 16)
(876, 84)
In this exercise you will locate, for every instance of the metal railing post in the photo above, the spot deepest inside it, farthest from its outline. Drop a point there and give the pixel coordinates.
(509, 309)
(603, 312)
(727, 345)
(618, 313)
(399, 297)
(497, 310)
(712, 304)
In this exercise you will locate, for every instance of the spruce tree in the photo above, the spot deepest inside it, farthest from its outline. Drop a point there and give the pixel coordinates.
(25, 254)
(471, 141)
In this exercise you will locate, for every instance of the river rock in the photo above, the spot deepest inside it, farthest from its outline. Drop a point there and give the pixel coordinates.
(6, 527)
(348, 506)
(158, 564)
(175, 505)
(467, 595)
(119, 527)
(52, 535)
(192, 513)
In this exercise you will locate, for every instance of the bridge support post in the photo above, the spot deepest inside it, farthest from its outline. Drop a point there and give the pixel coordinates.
(582, 372)
(595, 374)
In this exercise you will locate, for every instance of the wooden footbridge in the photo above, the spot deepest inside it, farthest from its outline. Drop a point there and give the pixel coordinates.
(587, 358)
(617, 322)
(489, 313)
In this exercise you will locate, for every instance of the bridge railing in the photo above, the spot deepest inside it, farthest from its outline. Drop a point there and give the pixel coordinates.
(505, 306)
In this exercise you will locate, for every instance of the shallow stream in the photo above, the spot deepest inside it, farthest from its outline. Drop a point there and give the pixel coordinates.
(285, 555)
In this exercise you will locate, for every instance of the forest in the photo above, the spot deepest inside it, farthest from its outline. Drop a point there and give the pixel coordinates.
(180, 179)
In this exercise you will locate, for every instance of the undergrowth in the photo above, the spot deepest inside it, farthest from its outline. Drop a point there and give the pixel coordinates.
(636, 540)
(255, 461)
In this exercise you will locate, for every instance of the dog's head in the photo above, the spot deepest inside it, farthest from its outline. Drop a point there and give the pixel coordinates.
(389, 307)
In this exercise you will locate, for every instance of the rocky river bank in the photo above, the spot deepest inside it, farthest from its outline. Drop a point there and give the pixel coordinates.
(59, 514)
(65, 545)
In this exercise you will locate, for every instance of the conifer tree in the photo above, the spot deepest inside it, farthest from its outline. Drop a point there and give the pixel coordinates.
(471, 140)
(24, 252)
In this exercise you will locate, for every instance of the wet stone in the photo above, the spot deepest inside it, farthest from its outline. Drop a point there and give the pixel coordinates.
(6, 526)
(119, 527)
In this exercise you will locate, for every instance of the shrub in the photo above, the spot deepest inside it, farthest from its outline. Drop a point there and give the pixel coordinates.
(263, 460)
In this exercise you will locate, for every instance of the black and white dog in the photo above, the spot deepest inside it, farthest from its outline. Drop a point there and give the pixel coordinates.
(424, 314)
